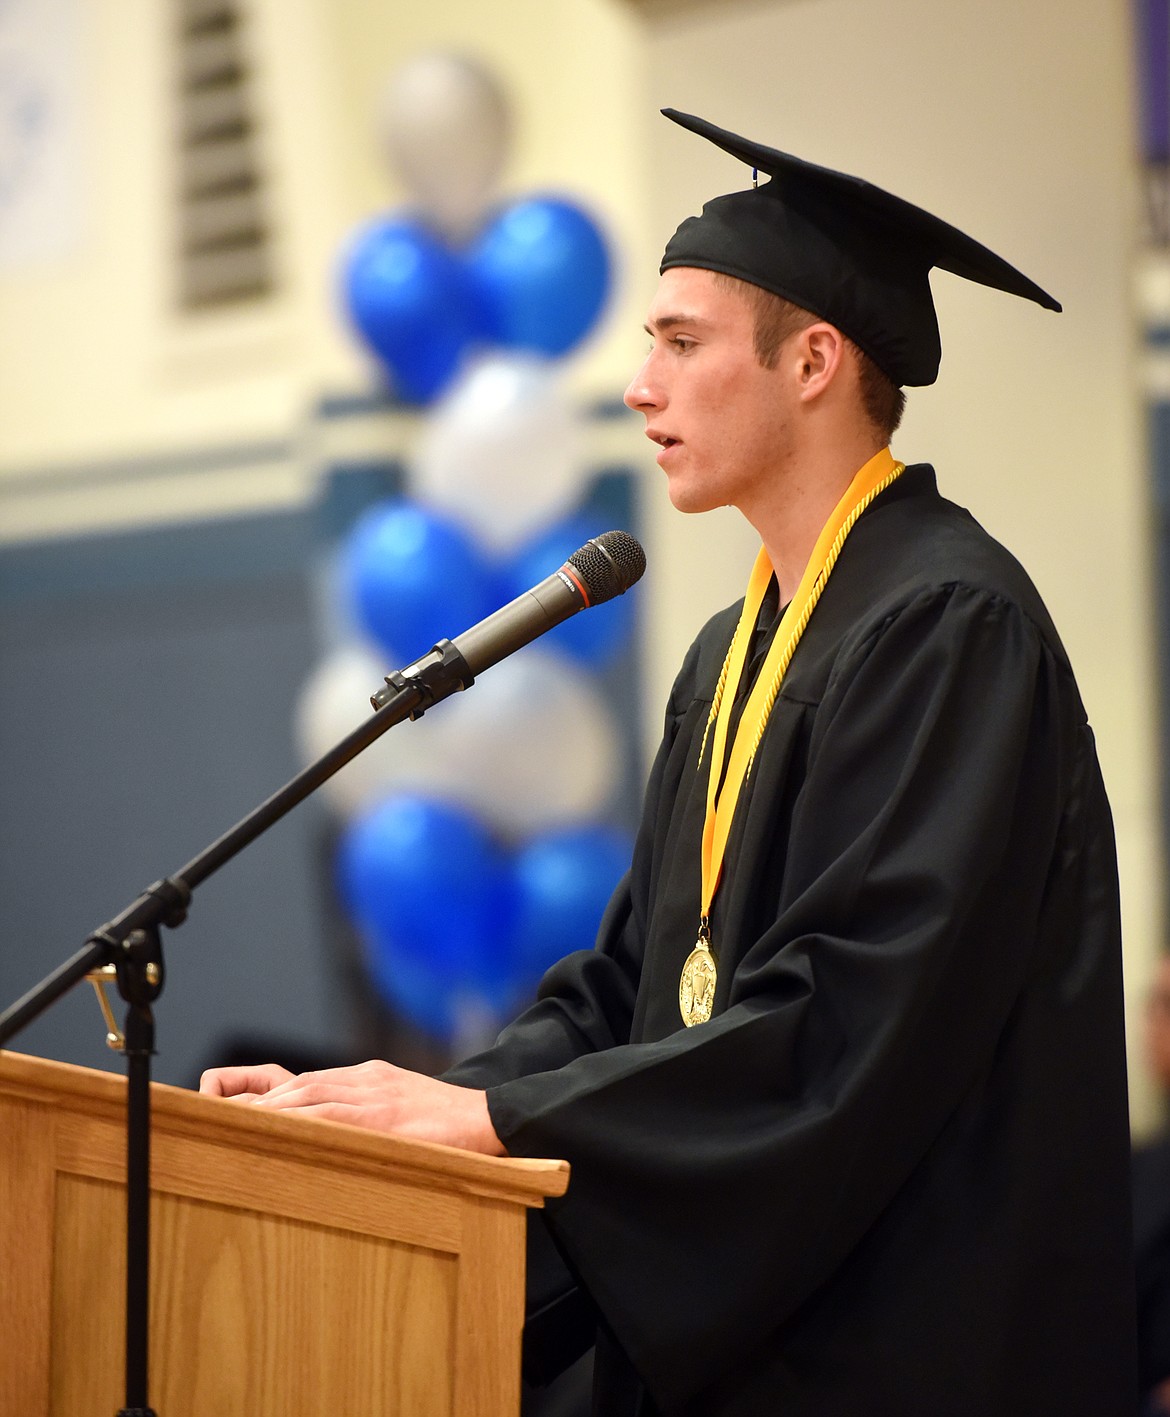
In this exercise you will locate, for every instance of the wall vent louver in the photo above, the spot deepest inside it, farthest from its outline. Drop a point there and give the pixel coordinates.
(223, 227)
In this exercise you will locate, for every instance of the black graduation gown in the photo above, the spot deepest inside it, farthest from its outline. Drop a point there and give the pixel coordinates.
(1151, 1224)
(890, 1174)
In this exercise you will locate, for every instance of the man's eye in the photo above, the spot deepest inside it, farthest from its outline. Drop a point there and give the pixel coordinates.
(682, 343)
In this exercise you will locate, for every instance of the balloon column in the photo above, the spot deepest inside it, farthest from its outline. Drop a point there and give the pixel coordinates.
(474, 850)
(428, 288)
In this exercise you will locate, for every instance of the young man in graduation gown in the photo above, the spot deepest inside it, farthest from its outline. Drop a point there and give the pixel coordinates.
(842, 1084)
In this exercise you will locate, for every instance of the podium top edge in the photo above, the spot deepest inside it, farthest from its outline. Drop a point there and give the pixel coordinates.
(177, 1111)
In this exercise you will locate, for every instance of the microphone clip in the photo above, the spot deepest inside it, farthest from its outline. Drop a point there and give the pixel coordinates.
(436, 676)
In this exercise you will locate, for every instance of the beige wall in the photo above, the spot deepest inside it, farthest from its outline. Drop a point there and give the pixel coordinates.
(94, 362)
(1008, 117)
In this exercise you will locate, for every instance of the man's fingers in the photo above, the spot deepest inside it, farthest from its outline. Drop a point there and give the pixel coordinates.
(312, 1089)
(241, 1082)
(354, 1076)
(333, 1112)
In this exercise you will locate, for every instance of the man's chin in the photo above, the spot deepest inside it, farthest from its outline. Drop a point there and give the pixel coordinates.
(692, 499)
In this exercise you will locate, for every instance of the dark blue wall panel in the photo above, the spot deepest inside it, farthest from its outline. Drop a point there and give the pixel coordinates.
(147, 685)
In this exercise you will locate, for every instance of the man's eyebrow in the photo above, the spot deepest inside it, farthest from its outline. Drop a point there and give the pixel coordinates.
(668, 322)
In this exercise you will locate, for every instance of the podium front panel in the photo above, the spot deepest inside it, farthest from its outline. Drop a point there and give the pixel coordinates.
(297, 1266)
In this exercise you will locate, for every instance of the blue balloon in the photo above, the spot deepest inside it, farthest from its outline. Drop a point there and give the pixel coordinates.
(411, 988)
(595, 636)
(541, 271)
(410, 299)
(415, 578)
(563, 882)
(432, 898)
(429, 998)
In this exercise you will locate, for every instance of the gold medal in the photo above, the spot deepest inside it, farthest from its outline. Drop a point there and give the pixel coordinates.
(696, 985)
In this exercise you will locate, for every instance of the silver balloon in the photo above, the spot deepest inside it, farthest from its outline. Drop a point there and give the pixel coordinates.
(445, 124)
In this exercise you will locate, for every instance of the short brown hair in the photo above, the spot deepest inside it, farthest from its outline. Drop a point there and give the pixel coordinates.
(777, 319)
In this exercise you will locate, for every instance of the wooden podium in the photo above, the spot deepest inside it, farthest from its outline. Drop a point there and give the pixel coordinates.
(297, 1266)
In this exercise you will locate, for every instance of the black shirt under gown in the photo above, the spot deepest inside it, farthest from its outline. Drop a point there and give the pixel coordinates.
(890, 1174)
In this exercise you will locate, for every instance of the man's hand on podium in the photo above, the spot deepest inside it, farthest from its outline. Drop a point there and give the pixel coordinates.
(376, 1095)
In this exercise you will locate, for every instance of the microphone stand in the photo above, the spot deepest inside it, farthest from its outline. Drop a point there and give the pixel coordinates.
(131, 944)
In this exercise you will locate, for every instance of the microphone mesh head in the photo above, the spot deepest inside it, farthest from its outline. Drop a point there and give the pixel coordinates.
(608, 565)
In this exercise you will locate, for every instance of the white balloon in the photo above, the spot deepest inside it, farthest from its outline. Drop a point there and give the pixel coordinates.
(335, 701)
(530, 746)
(444, 123)
(503, 451)
(533, 744)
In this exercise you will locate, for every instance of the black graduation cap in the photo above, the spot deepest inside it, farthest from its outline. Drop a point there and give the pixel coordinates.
(840, 247)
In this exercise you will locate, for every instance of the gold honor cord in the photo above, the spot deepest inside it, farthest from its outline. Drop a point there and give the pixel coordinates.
(696, 988)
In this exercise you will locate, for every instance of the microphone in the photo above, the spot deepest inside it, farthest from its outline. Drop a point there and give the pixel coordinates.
(605, 566)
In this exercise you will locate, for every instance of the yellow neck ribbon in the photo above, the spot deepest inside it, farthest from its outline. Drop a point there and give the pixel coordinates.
(874, 478)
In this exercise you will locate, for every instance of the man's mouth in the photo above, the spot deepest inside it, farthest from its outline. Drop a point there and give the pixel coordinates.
(664, 440)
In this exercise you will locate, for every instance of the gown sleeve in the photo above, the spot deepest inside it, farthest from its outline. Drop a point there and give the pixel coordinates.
(721, 1174)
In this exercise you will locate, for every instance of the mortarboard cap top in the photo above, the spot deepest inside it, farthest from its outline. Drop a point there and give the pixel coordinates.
(851, 253)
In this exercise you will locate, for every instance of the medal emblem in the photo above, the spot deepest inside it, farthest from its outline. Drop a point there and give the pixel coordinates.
(696, 985)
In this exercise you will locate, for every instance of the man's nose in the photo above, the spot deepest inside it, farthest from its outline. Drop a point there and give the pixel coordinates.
(642, 392)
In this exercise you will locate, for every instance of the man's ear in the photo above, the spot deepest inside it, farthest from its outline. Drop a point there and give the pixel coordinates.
(820, 355)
